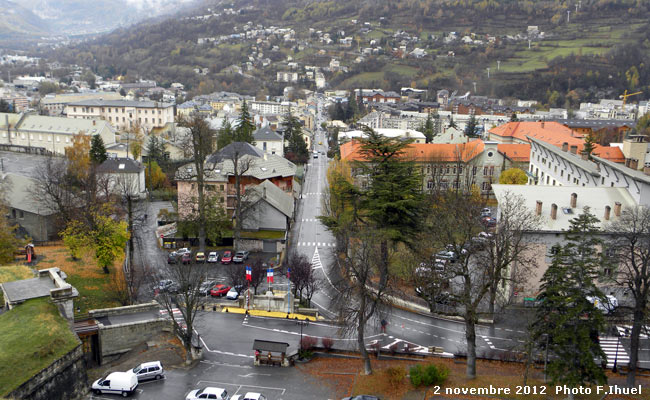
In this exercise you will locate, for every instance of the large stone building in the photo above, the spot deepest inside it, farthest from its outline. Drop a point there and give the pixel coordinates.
(124, 114)
(55, 104)
(53, 134)
(446, 166)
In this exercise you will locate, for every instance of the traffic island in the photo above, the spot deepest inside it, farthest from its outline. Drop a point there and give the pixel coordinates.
(271, 314)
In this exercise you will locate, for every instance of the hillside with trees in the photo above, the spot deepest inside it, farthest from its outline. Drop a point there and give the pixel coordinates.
(595, 50)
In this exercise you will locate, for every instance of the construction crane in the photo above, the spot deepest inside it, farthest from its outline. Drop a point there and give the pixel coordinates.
(625, 95)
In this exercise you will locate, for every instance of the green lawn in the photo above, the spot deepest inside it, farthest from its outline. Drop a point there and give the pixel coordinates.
(34, 334)
(263, 235)
(363, 80)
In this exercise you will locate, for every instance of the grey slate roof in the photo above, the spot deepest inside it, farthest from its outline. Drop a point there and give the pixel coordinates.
(231, 150)
(121, 103)
(120, 165)
(61, 125)
(567, 155)
(267, 345)
(18, 195)
(596, 123)
(266, 134)
(273, 195)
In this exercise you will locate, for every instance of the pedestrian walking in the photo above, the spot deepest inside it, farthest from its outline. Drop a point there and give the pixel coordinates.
(383, 325)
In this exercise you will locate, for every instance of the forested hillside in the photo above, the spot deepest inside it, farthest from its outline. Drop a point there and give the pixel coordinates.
(600, 48)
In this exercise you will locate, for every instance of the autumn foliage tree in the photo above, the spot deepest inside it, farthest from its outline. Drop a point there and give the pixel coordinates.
(513, 176)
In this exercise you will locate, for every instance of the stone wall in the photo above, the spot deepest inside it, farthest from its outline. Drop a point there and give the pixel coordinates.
(115, 340)
(64, 379)
(106, 312)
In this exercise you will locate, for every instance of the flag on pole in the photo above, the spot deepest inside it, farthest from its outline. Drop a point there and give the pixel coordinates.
(269, 275)
(249, 273)
(288, 273)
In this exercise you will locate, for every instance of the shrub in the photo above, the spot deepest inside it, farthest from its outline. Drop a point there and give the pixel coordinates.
(395, 375)
(327, 343)
(428, 375)
(308, 342)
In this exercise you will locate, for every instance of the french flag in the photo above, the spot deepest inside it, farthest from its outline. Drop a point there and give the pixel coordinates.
(249, 273)
(269, 275)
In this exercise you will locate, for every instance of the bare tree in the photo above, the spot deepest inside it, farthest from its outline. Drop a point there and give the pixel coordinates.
(200, 140)
(237, 274)
(124, 189)
(301, 271)
(509, 257)
(186, 297)
(258, 273)
(236, 161)
(54, 189)
(631, 246)
(358, 301)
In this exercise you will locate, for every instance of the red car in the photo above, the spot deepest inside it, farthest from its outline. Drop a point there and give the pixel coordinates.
(227, 257)
(220, 290)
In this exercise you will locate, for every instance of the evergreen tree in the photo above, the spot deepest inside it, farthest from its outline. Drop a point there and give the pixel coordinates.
(5, 107)
(471, 129)
(97, 150)
(245, 127)
(339, 113)
(351, 109)
(226, 134)
(156, 150)
(590, 145)
(567, 320)
(514, 118)
(296, 149)
(428, 129)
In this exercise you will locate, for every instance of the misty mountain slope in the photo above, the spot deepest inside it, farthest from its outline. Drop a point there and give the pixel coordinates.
(16, 20)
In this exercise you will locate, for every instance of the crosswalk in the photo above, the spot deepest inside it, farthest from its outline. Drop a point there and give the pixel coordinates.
(310, 220)
(316, 244)
(178, 316)
(626, 330)
(315, 260)
(312, 194)
(615, 351)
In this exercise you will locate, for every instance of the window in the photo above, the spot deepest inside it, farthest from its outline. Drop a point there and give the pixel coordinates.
(139, 119)
(13, 213)
(102, 109)
(109, 119)
(454, 170)
(221, 187)
(460, 169)
(264, 146)
(21, 214)
(145, 121)
(159, 121)
(447, 168)
(75, 109)
(485, 186)
(474, 170)
(430, 185)
(562, 173)
(485, 170)
(428, 169)
(492, 170)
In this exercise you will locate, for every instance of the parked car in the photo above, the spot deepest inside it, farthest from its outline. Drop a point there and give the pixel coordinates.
(200, 257)
(208, 393)
(186, 258)
(123, 383)
(489, 222)
(172, 258)
(362, 397)
(486, 212)
(167, 285)
(240, 256)
(227, 257)
(249, 396)
(183, 250)
(219, 290)
(149, 370)
(213, 257)
(206, 287)
(233, 293)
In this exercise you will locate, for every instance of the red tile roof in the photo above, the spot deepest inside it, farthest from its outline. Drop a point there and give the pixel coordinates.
(517, 152)
(553, 133)
(421, 152)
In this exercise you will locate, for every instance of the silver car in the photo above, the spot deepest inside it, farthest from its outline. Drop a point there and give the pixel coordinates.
(149, 370)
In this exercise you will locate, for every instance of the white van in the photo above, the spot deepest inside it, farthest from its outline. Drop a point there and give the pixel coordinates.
(123, 383)
(609, 304)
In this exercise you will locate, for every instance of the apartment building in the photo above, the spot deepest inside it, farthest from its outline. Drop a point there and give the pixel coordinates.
(55, 104)
(124, 114)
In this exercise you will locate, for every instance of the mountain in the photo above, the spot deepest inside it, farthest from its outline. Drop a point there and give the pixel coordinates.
(601, 51)
(18, 21)
(81, 17)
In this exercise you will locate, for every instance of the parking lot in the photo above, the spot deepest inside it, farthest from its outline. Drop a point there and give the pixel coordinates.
(273, 382)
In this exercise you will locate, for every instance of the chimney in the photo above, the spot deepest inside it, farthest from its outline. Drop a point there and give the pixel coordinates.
(633, 163)
(553, 211)
(574, 200)
(608, 209)
(565, 146)
(584, 156)
(538, 208)
(646, 170)
(574, 149)
(617, 208)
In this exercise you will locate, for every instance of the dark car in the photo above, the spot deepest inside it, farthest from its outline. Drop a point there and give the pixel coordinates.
(227, 257)
(186, 258)
(172, 258)
(362, 397)
(219, 290)
(489, 222)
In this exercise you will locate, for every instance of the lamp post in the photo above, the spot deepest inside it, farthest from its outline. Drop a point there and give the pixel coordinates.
(545, 357)
(302, 323)
(618, 341)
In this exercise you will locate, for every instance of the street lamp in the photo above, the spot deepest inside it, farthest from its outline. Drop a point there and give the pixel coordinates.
(618, 341)
(302, 323)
